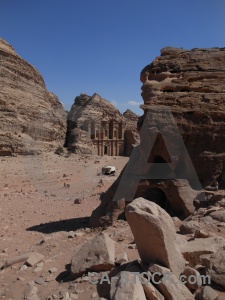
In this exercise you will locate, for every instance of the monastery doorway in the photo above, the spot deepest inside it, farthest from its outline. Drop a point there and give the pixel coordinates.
(105, 150)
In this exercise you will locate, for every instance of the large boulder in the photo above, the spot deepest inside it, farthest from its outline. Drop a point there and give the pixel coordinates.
(154, 234)
(168, 284)
(96, 255)
(32, 119)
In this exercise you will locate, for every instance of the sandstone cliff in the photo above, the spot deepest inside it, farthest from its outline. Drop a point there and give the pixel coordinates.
(95, 108)
(32, 119)
(191, 83)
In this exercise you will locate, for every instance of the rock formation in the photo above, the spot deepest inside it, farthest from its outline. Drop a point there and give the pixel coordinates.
(96, 255)
(216, 267)
(156, 239)
(131, 290)
(192, 84)
(95, 126)
(188, 85)
(131, 136)
(32, 119)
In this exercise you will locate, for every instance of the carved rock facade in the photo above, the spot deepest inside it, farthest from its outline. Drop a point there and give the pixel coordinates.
(95, 126)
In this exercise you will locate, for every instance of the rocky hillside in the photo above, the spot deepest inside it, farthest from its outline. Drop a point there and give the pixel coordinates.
(32, 119)
(95, 108)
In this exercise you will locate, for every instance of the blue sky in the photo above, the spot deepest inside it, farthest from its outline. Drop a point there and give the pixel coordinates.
(88, 46)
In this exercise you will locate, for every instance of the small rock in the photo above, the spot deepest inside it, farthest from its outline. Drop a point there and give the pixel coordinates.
(85, 279)
(190, 274)
(79, 291)
(218, 215)
(189, 227)
(49, 278)
(20, 278)
(66, 296)
(77, 234)
(40, 265)
(73, 286)
(122, 258)
(34, 297)
(30, 292)
(73, 296)
(24, 267)
(39, 280)
(78, 201)
(211, 210)
(52, 270)
(132, 246)
(71, 235)
(44, 240)
(201, 234)
(37, 269)
(34, 259)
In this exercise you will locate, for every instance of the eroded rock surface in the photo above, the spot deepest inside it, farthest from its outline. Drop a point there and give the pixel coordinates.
(192, 84)
(32, 119)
